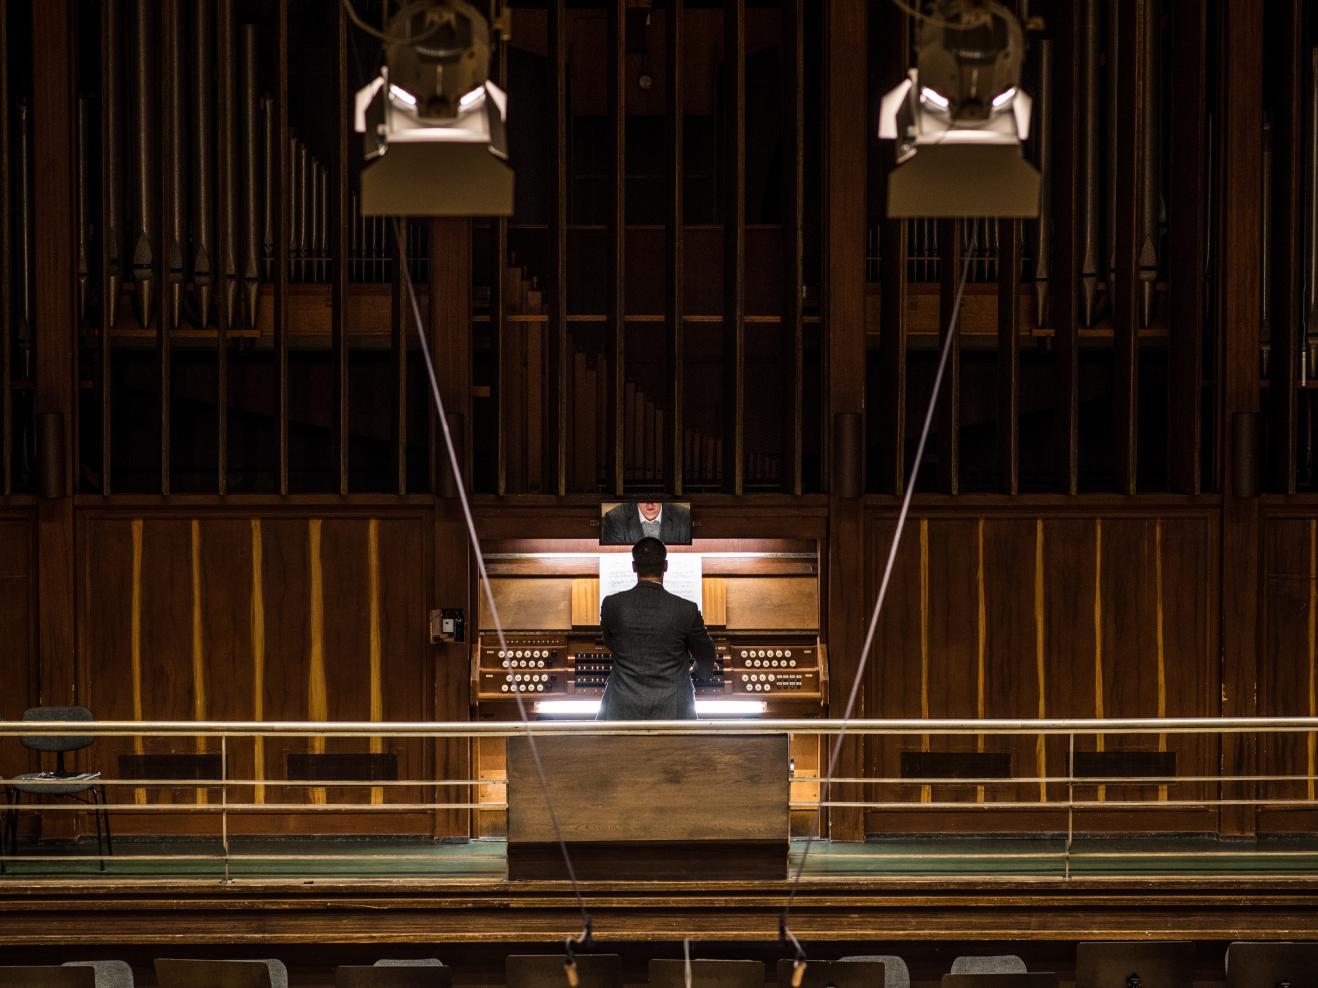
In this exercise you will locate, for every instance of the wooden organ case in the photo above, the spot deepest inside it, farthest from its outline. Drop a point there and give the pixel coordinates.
(760, 601)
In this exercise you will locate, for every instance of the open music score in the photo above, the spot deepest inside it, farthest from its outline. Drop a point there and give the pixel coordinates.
(558, 666)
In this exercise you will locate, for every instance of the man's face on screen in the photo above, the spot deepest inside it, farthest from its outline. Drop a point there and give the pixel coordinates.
(650, 509)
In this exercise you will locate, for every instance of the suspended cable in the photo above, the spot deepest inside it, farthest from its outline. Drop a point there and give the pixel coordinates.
(585, 934)
(784, 927)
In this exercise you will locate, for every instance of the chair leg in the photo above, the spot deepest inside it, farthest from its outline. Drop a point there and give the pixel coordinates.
(96, 817)
(105, 816)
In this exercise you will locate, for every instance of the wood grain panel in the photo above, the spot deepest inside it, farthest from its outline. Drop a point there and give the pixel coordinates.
(678, 789)
(1287, 686)
(772, 602)
(17, 675)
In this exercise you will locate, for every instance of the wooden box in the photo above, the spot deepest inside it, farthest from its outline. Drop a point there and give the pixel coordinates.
(650, 807)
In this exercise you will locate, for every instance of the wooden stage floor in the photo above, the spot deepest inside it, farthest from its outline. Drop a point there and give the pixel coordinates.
(394, 891)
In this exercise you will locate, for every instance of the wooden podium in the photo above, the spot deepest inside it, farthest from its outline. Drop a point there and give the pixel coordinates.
(663, 807)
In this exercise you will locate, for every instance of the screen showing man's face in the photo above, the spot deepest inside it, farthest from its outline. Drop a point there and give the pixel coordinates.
(650, 509)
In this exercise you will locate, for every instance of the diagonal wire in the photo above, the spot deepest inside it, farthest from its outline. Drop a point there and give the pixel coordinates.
(485, 586)
(785, 925)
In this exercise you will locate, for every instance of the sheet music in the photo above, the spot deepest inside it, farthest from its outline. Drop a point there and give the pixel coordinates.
(682, 579)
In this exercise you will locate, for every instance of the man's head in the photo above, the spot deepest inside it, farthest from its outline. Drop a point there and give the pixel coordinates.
(649, 559)
(650, 509)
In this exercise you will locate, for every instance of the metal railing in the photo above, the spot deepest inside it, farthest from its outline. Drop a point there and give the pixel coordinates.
(1061, 791)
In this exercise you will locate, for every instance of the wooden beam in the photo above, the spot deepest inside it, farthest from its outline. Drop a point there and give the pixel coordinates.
(846, 149)
(282, 243)
(1009, 320)
(1133, 89)
(1065, 282)
(616, 292)
(338, 166)
(1187, 223)
(400, 316)
(675, 252)
(793, 241)
(6, 284)
(1287, 63)
(734, 247)
(950, 261)
(449, 331)
(53, 115)
(560, 341)
(1241, 81)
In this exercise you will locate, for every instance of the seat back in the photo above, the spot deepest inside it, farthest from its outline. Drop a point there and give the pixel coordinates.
(56, 742)
(538, 970)
(707, 974)
(393, 976)
(52, 976)
(1016, 979)
(895, 972)
(1269, 964)
(1111, 965)
(996, 964)
(841, 974)
(109, 974)
(173, 972)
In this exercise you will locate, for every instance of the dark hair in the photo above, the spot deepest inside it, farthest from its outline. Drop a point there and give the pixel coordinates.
(649, 555)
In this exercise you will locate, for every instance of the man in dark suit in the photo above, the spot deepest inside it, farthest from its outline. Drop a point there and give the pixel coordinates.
(653, 636)
(627, 524)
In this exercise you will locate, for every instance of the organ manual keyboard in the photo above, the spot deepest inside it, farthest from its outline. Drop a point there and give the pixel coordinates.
(780, 667)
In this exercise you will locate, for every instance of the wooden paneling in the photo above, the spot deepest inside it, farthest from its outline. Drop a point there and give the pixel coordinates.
(1288, 684)
(1051, 616)
(275, 618)
(18, 681)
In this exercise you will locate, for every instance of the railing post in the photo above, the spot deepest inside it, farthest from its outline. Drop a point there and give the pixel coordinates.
(224, 801)
(1070, 800)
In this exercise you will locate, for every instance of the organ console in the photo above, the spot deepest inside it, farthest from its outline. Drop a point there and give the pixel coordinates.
(760, 601)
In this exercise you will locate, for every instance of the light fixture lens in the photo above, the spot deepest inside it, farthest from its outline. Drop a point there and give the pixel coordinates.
(1004, 97)
(709, 708)
(935, 97)
(402, 95)
(470, 99)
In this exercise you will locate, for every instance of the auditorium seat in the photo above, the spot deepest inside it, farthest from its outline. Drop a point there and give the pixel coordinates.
(1265, 965)
(46, 976)
(895, 972)
(177, 973)
(109, 974)
(401, 974)
(997, 964)
(409, 962)
(840, 974)
(1165, 964)
(537, 970)
(670, 973)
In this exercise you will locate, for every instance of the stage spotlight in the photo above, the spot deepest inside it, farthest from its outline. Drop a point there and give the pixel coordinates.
(960, 116)
(433, 124)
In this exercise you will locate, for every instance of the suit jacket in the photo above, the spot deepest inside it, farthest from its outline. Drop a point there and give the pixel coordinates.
(622, 525)
(653, 636)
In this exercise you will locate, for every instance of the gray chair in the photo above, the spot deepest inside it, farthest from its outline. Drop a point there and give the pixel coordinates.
(109, 974)
(405, 962)
(998, 964)
(895, 972)
(61, 783)
(177, 973)
(400, 975)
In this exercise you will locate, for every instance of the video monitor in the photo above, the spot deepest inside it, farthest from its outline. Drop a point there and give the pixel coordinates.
(627, 522)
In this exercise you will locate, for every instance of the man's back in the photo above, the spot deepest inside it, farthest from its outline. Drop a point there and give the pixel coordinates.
(653, 636)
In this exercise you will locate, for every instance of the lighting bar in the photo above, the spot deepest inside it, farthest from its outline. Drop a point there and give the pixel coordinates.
(589, 708)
